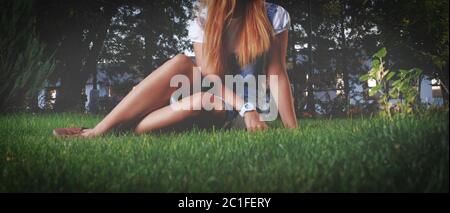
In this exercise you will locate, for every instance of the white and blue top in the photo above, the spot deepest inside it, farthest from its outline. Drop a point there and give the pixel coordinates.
(280, 21)
(277, 15)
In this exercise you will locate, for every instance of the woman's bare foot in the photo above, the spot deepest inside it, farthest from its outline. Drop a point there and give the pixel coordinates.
(89, 133)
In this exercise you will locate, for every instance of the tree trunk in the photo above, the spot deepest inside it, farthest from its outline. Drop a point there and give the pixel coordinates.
(345, 75)
(150, 13)
(149, 48)
(443, 77)
(68, 97)
(310, 98)
(300, 80)
(99, 35)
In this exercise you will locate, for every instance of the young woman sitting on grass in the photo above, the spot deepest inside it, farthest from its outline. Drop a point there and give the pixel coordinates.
(230, 37)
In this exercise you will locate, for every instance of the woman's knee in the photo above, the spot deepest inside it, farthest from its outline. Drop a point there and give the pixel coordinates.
(182, 59)
(181, 65)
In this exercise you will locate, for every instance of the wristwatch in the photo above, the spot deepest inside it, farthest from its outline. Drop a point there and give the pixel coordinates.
(247, 107)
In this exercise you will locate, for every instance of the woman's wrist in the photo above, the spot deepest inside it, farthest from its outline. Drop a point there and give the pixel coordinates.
(250, 113)
(292, 125)
(247, 107)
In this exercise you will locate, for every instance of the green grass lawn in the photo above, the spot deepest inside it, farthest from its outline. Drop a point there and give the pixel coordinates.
(409, 154)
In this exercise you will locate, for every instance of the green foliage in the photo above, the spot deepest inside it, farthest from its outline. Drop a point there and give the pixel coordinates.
(379, 74)
(406, 154)
(144, 34)
(416, 32)
(402, 84)
(406, 88)
(23, 63)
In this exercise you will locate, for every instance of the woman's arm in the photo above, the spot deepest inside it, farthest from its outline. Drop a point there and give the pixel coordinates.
(281, 89)
(252, 119)
(232, 98)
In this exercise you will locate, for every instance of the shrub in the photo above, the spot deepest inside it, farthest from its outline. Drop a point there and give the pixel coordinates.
(23, 64)
(404, 85)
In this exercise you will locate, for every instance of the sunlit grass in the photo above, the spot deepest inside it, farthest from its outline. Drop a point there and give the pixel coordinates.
(408, 154)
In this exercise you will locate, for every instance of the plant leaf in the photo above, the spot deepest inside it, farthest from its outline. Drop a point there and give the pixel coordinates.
(374, 90)
(375, 64)
(381, 53)
(390, 75)
(364, 77)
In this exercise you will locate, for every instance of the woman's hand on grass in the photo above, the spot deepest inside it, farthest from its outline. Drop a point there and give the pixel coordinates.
(253, 121)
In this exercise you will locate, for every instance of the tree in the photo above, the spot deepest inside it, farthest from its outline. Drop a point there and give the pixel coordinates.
(329, 40)
(75, 29)
(300, 36)
(144, 34)
(23, 63)
(416, 33)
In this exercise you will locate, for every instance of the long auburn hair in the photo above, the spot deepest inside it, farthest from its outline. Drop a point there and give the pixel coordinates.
(253, 39)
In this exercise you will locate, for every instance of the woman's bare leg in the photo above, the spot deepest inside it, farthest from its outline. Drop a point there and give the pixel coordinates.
(183, 117)
(150, 94)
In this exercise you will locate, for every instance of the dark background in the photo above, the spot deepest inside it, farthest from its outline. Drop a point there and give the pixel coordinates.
(60, 45)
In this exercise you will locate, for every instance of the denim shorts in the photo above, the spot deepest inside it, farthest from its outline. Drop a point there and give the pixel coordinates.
(233, 120)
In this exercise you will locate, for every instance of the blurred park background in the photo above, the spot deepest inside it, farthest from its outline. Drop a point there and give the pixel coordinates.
(85, 55)
(379, 68)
